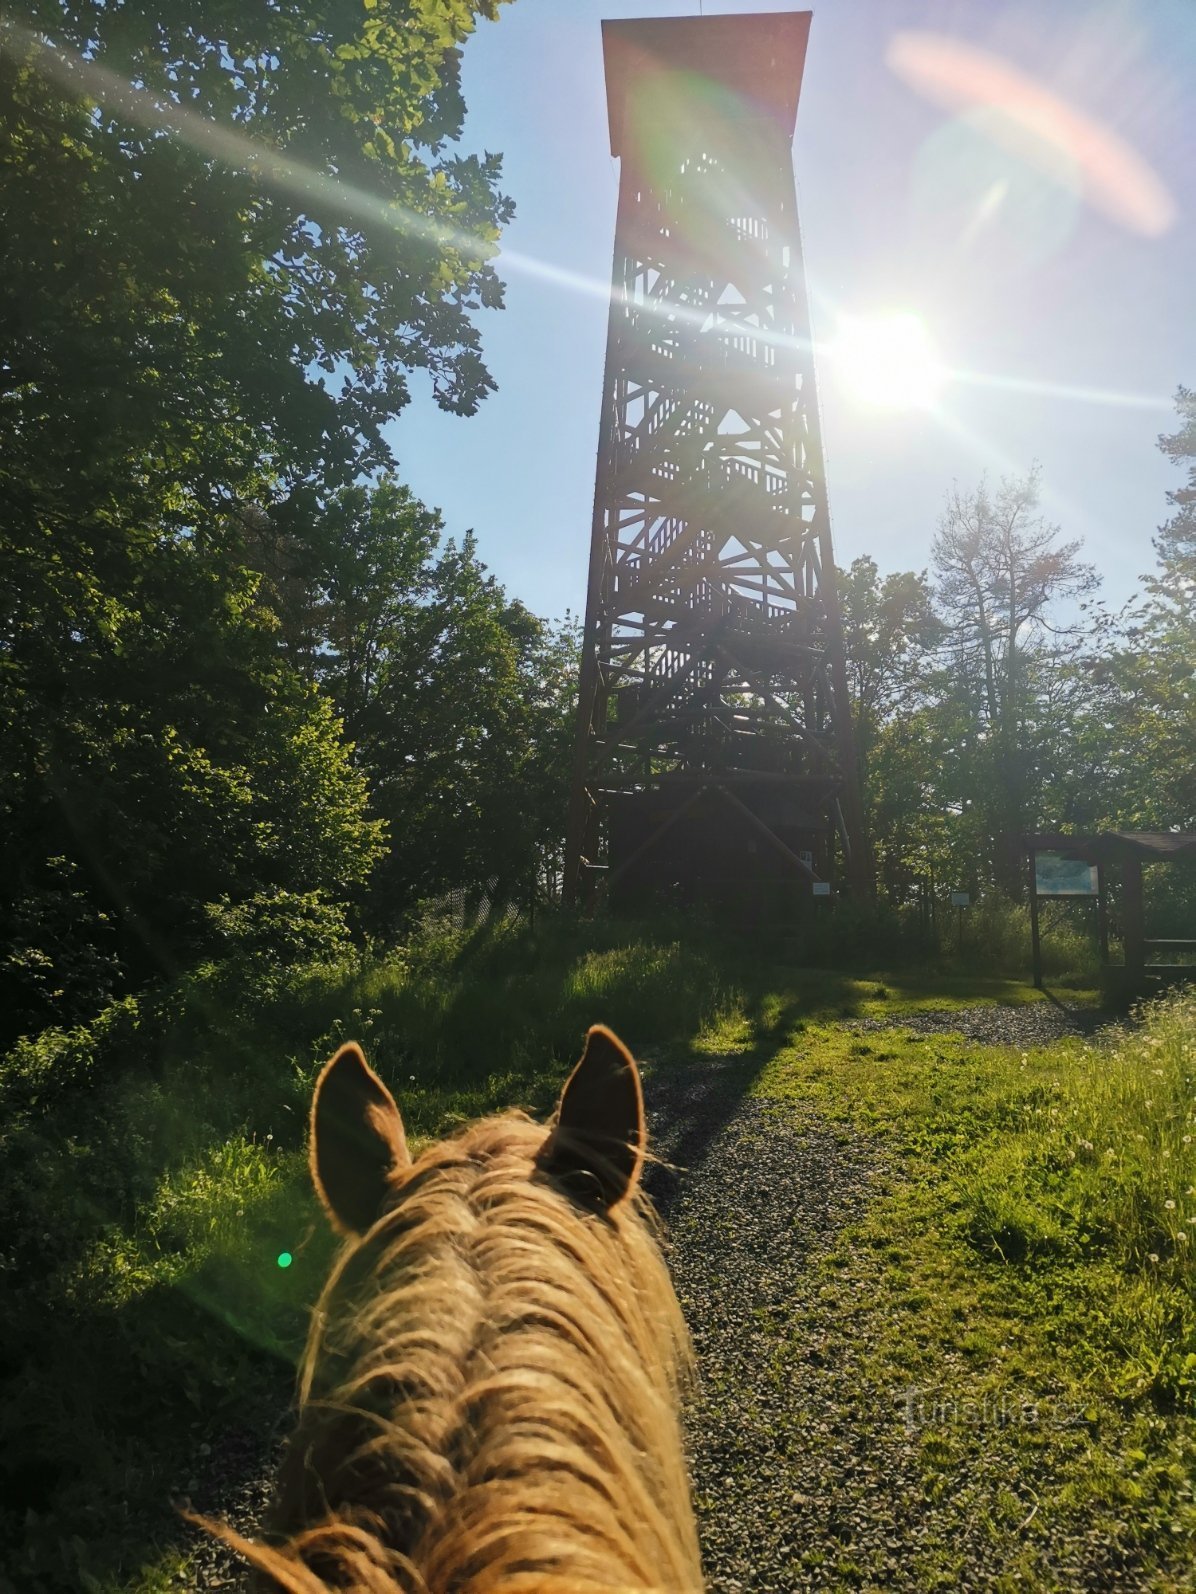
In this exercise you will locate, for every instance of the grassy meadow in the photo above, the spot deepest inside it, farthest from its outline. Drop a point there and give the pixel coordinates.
(1035, 1232)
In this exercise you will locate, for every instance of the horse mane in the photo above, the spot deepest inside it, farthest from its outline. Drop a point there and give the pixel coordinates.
(488, 1398)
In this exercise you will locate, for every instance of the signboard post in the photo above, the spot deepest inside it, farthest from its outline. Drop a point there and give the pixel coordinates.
(1054, 874)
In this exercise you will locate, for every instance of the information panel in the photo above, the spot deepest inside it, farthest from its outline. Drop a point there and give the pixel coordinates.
(1057, 876)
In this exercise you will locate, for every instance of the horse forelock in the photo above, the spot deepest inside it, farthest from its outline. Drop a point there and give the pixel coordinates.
(489, 1392)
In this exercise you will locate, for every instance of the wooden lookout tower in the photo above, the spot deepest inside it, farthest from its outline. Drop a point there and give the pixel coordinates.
(715, 757)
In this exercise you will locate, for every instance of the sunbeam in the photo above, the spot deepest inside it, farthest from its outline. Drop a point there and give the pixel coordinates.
(1066, 390)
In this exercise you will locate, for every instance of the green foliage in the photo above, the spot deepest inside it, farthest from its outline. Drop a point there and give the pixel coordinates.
(1002, 574)
(1176, 542)
(59, 956)
(996, 936)
(306, 220)
(191, 765)
(424, 653)
(199, 323)
(1142, 721)
(890, 628)
(459, 701)
(964, 695)
(1014, 702)
(279, 930)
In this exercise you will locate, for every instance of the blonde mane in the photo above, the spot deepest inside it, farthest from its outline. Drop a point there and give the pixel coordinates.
(488, 1399)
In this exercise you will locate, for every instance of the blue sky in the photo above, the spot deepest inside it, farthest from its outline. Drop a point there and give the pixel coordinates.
(1032, 280)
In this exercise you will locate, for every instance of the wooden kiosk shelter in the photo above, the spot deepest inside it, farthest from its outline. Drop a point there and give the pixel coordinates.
(1126, 852)
(714, 753)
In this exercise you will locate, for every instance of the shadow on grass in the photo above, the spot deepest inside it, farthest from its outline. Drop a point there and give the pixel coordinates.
(92, 1469)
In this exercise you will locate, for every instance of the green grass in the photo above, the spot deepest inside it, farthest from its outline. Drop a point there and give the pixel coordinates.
(1074, 1165)
(1033, 1249)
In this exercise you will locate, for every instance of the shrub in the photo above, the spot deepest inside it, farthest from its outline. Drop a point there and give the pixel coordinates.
(276, 930)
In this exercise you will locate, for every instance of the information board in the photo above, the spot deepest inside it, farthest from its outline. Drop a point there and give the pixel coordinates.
(1057, 876)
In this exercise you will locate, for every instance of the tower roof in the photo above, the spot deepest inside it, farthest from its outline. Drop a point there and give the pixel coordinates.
(758, 58)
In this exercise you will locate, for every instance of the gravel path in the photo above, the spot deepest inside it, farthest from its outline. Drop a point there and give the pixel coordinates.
(746, 1219)
(1035, 1024)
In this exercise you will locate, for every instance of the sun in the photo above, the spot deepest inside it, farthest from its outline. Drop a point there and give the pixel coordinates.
(888, 359)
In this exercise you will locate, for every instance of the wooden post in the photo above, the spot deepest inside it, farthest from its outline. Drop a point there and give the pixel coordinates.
(1035, 941)
(1102, 916)
(1135, 928)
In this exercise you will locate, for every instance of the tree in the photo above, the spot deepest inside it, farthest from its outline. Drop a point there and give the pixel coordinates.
(890, 632)
(283, 256)
(1143, 714)
(1002, 576)
(458, 700)
(1176, 541)
(226, 240)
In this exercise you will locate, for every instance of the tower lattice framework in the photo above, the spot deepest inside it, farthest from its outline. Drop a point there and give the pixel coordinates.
(715, 749)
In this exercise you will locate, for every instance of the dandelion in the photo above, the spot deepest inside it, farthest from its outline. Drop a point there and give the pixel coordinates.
(1154, 1256)
(1170, 1205)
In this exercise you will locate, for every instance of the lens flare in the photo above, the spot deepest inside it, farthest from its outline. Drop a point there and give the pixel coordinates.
(1115, 179)
(888, 360)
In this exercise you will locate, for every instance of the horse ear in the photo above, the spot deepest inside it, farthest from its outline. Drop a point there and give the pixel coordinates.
(357, 1141)
(596, 1144)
